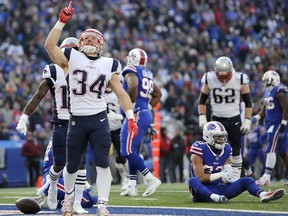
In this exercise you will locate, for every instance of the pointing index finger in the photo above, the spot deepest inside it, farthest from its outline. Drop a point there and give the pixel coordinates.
(70, 4)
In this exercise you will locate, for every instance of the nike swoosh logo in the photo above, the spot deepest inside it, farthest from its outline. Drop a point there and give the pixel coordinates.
(101, 120)
(236, 123)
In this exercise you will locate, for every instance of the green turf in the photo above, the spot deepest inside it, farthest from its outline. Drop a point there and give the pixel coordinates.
(168, 195)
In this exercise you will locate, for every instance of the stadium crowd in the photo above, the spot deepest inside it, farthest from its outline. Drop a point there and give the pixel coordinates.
(182, 39)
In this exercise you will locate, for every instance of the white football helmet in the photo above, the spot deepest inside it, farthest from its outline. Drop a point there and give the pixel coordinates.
(69, 42)
(215, 134)
(270, 79)
(91, 41)
(137, 57)
(224, 69)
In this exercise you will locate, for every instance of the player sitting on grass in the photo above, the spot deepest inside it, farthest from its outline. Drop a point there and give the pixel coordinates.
(213, 178)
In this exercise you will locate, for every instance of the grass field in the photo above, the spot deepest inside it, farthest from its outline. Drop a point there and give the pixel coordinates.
(168, 195)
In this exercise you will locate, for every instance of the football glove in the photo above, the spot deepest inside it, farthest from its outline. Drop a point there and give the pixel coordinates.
(246, 126)
(21, 126)
(202, 120)
(283, 126)
(66, 13)
(152, 132)
(229, 176)
(132, 127)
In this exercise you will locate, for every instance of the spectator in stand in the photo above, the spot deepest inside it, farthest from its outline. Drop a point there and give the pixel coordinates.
(32, 152)
(164, 154)
(177, 151)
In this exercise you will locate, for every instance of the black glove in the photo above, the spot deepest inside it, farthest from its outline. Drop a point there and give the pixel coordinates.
(152, 132)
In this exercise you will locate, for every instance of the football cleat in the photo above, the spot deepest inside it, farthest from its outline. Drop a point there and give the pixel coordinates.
(102, 211)
(77, 208)
(125, 184)
(219, 198)
(272, 195)
(67, 208)
(130, 191)
(263, 181)
(153, 184)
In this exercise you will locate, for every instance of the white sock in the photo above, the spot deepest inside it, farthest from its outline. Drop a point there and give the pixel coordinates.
(236, 163)
(69, 181)
(79, 186)
(270, 162)
(149, 176)
(53, 176)
(103, 182)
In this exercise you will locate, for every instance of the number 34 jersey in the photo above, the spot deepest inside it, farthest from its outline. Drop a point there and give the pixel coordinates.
(225, 97)
(58, 89)
(88, 81)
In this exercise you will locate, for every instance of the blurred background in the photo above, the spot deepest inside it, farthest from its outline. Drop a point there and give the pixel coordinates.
(182, 39)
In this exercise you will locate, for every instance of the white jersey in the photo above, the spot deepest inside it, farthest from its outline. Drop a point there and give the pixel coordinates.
(113, 105)
(58, 90)
(88, 80)
(225, 98)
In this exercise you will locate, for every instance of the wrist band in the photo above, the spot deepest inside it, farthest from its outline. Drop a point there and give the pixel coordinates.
(129, 114)
(59, 25)
(284, 122)
(216, 176)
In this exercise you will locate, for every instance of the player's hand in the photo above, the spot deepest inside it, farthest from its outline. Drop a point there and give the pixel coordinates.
(246, 126)
(21, 126)
(66, 13)
(202, 120)
(152, 132)
(283, 126)
(255, 119)
(132, 127)
(229, 176)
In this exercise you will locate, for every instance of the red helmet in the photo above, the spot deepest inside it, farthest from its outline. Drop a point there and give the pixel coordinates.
(91, 41)
(224, 69)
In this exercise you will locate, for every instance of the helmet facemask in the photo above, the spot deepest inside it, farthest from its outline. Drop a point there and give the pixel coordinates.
(215, 134)
(91, 41)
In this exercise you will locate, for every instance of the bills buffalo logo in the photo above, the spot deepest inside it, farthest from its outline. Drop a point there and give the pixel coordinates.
(211, 127)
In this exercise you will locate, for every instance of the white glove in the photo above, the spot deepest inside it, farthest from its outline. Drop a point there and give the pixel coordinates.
(23, 121)
(229, 176)
(114, 116)
(246, 126)
(202, 120)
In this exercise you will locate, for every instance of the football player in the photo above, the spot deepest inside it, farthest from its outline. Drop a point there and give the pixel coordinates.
(213, 179)
(225, 87)
(87, 196)
(115, 123)
(89, 74)
(55, 82)
(275, 112)
(144, 94)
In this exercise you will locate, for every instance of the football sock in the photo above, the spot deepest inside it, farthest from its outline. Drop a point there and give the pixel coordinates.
(79, 185)
(103, 182)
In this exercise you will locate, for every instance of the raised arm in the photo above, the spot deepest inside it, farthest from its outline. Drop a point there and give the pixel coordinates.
(51, 47)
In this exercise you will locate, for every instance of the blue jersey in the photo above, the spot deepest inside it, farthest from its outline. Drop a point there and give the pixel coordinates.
(213, 160)
(145, 85)
(273, 113)
(256, 137)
